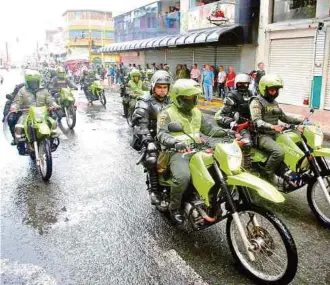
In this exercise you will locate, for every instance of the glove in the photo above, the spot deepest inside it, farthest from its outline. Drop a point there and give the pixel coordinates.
(147, 139)
(180, 146)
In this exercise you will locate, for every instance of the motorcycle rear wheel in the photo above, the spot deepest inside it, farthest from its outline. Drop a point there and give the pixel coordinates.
(317, 202)
(103, 99)
(275, 251)
(70, 114)
(46, 162)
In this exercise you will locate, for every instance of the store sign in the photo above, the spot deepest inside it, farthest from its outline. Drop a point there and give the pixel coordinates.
(199, 17)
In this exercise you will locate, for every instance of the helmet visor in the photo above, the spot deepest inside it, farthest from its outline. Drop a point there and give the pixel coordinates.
(187, 103)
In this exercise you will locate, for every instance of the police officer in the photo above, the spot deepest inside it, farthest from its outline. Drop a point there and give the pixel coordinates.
(145, 125)
(265, 114)
(12, 117)
(238, 101)
(184, 95)
(60, 81)
(86, 81)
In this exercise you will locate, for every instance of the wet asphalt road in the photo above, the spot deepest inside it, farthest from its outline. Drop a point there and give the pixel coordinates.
(93, 223)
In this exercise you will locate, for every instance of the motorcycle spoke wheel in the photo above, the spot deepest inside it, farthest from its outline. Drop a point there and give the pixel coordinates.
(317, 201)
(272, 246)
(70, 117)
(103, 99)
(46, 164)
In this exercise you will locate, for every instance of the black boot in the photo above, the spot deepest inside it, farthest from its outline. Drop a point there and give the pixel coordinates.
(177, 217)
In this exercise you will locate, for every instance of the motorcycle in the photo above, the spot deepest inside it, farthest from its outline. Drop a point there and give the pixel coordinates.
(97, 90)
(39, 139)
(221, 189)
(66, 100)
(304, 164)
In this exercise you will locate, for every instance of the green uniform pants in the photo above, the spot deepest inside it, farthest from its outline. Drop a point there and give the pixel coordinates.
(179, 166)
(268, 144)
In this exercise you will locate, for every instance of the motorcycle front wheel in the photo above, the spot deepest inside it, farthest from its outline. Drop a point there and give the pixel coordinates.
(103, 99)
(70, 114)
(275, 253)
(317, 201)
(46, 163)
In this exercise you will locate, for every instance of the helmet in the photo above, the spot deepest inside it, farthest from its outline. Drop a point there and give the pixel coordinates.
(149, 73)
(61, 72)
(32, 79)
(182, 90)
(243, 82)
(270, 81)
(160, 77)
(135, 72)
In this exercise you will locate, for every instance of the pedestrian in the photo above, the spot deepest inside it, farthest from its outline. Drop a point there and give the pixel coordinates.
(161, 66)
(111, 76)
(195, 74)
(147, 66)
(178, 72)
(260, 72)
(253, 85)
(230, 81)
(221, 82)
(187, 71)
(215, 84)
(208, 82)
(154, 66)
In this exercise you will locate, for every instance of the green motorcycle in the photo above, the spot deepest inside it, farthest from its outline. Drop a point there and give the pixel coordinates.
(67, 100)
(97, 90)
(304, 164)
(39, 139)
(221, 190)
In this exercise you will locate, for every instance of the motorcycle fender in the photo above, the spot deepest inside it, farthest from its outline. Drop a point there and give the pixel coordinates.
(42, 129)
(263, 188)
(201, 178)
(322, 152)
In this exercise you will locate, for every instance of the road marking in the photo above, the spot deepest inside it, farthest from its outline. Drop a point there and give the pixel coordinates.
(172, 259)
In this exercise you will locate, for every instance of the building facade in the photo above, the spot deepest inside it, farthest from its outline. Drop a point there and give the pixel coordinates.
(232, 42)
(156, 19)
(85, 30)
(294, 41)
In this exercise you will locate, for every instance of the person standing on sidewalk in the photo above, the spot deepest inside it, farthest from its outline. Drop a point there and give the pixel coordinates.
(260, 72)
(230, 81)
(195, 74)
(221, 82)
(208, 81)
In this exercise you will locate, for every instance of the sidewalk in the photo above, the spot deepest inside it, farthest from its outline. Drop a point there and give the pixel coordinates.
(320, 116)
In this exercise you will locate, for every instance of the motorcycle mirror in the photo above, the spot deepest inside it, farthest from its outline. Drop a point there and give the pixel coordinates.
(9, 97)
(236, 117)
(175, 127)
(312, 110)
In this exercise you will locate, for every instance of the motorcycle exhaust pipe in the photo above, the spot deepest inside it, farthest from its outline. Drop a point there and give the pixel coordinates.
(205, 216)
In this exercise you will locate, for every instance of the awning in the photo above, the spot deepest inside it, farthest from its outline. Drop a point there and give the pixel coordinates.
(212, 35)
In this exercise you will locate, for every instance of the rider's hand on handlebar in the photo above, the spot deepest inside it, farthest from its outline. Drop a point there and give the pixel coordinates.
(277, 128)
(300, 129)
(233, 125)
(181, 147)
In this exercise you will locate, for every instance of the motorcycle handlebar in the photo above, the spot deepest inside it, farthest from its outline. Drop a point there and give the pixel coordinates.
(143, 153)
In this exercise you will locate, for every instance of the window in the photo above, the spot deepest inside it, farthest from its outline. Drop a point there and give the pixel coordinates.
(78, 15)
(285, 10)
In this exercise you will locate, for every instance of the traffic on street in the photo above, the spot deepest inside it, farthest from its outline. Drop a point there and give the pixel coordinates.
(167, 142)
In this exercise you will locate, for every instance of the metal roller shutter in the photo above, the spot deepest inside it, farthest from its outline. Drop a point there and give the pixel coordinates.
(157, 56)
(292, 59)
(327, 88)
(229, 56)
(204, 56)
(179, 56)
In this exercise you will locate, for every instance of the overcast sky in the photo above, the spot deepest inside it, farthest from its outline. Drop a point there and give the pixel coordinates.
(28, 20)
